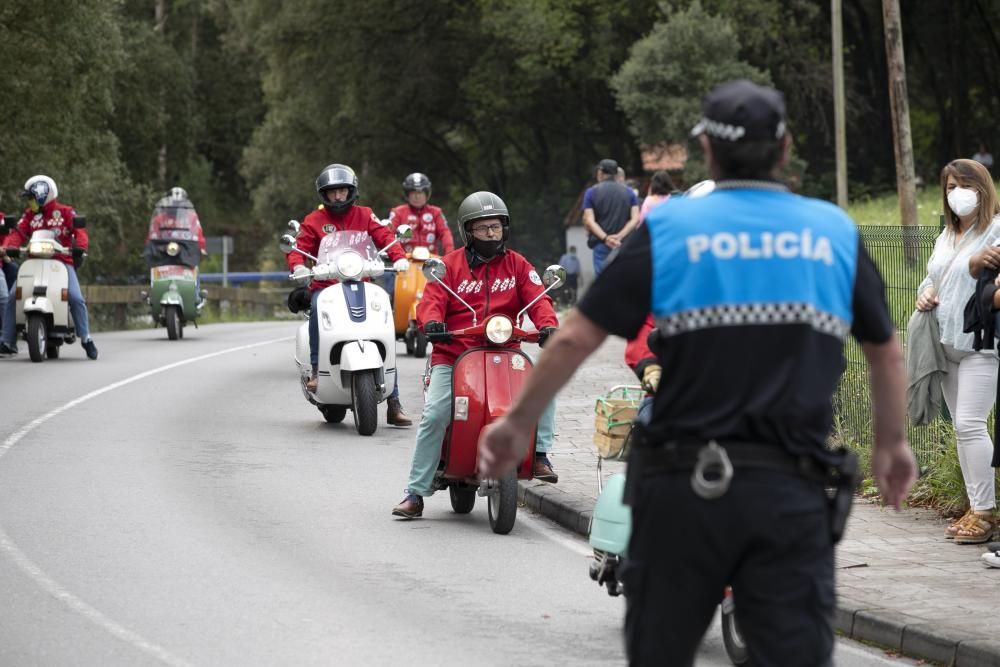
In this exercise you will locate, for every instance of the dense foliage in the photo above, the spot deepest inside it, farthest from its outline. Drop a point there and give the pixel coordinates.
(242, 102)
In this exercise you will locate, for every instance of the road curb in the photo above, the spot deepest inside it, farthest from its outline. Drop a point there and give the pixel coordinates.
(911, 635)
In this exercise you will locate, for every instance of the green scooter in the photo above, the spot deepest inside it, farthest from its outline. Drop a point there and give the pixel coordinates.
(173, 253)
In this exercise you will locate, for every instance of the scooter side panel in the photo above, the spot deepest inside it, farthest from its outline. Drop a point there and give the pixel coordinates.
(51, 273)
(489, 379)
(611, 525)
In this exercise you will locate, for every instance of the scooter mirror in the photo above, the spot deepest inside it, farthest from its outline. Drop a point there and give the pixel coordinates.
(554, 275)
(286, 243)
(404, 233)
(293, 227)
(434, 269)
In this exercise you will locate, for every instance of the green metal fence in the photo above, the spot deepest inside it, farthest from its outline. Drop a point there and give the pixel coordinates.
(901, 254)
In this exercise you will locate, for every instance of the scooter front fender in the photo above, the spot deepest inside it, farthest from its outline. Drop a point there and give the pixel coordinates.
(38, 304)
(360, 356)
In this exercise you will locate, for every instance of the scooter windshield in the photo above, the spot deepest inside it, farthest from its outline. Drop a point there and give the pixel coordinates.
(335, 244)
(174, 220)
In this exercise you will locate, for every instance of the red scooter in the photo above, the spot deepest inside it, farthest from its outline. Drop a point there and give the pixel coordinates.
(485, 382)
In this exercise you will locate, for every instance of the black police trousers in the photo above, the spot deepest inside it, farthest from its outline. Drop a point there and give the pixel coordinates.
(768, 537)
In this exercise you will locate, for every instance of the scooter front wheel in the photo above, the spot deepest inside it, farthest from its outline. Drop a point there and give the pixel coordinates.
(175, 326)
(502, 505)
(364, 402)
(36, 337)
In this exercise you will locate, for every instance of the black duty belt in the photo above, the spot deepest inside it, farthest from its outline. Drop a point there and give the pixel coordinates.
(712, 465)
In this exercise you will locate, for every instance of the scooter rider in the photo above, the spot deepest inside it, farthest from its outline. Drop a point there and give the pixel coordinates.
(755, 291)
(430, 229)
(493, 280)
(44, 212)
(337, 187)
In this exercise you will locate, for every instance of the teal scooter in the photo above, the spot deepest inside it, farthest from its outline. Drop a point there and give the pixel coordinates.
(610, 531)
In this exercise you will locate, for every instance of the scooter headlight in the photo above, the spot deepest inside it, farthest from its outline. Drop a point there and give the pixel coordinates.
(350, 265)
(420, 253)
(499, 329)
(173, 248)
(43, 249)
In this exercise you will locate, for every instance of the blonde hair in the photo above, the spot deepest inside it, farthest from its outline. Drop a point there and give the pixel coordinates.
(970, 174)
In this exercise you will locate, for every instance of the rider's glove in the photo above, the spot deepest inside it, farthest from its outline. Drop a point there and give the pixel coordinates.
(301, 274)
(651, 377)
(78, 255)
(435, 327)
(543, 335)
(401, 265)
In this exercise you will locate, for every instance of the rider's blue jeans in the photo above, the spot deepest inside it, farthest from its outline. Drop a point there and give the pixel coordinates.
(314, 342)
(77, 307)
(434, 422)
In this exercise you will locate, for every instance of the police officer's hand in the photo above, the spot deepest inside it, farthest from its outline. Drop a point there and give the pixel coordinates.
(928, 300)
(502, 447)
(544, 333)
(895, 471)
(651, 378)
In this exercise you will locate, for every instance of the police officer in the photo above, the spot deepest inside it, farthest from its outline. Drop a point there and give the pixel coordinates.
(754, 291)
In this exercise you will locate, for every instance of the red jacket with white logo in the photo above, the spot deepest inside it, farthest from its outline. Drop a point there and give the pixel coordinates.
(321, 222)
(430, 229)
(502, 286)
(55, 216)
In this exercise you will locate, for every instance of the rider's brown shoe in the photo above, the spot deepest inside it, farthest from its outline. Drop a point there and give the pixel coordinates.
(312, 384)
(394, 414)
(543, 470)
(412, 507)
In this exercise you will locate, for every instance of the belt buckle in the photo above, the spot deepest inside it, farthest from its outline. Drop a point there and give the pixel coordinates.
(711, 457)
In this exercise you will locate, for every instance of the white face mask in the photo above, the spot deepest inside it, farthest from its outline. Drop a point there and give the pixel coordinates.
(963, 201)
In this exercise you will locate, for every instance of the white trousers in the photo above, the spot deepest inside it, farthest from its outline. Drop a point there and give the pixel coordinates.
(969, 390)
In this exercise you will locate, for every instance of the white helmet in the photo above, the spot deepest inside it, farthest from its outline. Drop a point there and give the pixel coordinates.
(178, 193)
(41, 188)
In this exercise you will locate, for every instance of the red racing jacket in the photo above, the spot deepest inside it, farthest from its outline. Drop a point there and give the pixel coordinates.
(502, 286)
(55, 216)
(430, 229)
(637, 352)
(321, 222)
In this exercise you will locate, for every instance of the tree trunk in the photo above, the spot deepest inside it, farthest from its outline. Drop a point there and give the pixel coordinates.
(902, 141)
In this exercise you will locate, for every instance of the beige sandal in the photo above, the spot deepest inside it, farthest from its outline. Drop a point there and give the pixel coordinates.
(952, 529)
(978, 528)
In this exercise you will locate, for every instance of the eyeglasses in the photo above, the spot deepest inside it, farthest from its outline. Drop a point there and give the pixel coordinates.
(482, 230)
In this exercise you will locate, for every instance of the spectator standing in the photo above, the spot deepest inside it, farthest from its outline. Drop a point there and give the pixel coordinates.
(571, 263)
(963, 249)
(660, 187)
(984, 157)
(610, 213)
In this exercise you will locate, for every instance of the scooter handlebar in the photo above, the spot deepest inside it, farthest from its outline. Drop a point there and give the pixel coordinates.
(517, 335)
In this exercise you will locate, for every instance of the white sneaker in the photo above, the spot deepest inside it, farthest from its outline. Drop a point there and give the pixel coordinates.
(992, 558)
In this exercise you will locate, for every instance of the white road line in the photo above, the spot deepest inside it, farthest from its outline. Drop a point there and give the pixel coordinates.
(52, 587)
(554, 532)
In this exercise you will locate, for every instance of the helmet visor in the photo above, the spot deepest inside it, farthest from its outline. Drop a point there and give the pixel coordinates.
(337, 177)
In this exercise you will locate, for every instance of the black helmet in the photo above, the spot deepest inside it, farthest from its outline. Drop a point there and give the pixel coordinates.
(481, 205)
(417, 182)
(337, 176)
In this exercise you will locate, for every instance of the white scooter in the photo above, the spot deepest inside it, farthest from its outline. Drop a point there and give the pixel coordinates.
(42, 292)
(357, 337)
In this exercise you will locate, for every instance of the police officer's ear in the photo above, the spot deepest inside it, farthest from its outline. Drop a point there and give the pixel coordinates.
(786, 151)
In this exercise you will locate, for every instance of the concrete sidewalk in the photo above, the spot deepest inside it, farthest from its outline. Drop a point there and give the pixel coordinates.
(900, 584)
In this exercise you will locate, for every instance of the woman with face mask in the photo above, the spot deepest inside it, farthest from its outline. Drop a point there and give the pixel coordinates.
(965, 247)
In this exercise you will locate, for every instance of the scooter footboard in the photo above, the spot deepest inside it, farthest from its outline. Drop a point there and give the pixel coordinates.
(485, 382)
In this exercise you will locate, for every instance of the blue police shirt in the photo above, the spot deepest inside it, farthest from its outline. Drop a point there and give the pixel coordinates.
(754, 291)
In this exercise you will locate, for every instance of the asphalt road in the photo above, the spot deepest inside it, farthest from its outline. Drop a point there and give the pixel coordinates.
(180, 503)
